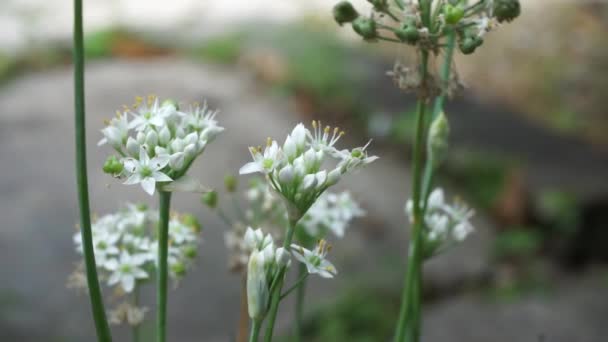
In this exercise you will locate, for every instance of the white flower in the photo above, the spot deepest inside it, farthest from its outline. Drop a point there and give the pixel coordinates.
(255, 239)
(126, 270)
(181, 233)
(146, 171)
(315, 260)
(264, 162)
(104, 244)
(150, 114)
(116, 132)
(355, 159)
(321, 139)
(333, 212)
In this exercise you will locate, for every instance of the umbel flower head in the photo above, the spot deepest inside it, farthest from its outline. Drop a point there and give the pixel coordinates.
(298, 169)
(445, 224)
(331, 212)
(157, 143)
(125, 245)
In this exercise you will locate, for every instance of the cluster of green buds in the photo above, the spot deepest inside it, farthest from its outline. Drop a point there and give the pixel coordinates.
(425, 23)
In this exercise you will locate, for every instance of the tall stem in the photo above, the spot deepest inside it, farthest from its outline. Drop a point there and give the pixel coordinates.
(97, 307)
(276, 294)
(163, 274)
(300, 294)
(408, 324)
(255, 330)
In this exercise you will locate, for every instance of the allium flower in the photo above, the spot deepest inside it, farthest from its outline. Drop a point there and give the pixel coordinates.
(296, 170)
(146, 171)
(315, 260)
(444, 223)
(332, 212)
(159, 144)
(126, 270)
(127, 313)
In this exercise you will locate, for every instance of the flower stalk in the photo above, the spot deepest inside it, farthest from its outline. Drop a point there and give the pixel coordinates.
(97, 306)
(163, 274)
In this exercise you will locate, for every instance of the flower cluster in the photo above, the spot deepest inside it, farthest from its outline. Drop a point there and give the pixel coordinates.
(296, 169)
(444, 223)
(157, 142)
(125, 245)
(331, 212)
(423, 23)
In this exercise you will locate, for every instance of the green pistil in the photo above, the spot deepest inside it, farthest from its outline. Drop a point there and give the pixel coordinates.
(146, 172)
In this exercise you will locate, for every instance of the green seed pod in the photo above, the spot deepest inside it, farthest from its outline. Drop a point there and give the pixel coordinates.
(365, 27)
(437, 143)
(210, 199)
(408, 34)
(191, 221)
(112, 166)
(453, 14)
(344, 12)
(230, 182)
(179, 269)
(190, 252)
(506, 10)
(469, 44)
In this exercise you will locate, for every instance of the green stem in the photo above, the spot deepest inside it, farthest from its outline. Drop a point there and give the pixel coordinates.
(163, 274)
(97, 307)
(255, 330)
(407, 325)
(276, 290)
(300, 294)
(301, 280)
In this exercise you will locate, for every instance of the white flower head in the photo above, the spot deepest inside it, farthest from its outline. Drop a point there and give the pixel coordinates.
(315, 260)
(150, 114)
(264, 162)
(116, 132)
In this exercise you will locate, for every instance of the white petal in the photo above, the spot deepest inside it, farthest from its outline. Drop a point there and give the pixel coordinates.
(149, 185)
(250, 167)
(128, 282)
(133, 179)
(185, 184)
(114, 278)
(161, 177)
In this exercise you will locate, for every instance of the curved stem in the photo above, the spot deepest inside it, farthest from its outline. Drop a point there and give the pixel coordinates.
(408, 324)
(97, 307)
(163, 274)
(276, 289)
(255, 330)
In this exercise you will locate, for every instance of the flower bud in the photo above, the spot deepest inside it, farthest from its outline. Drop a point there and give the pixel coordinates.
(152, 139)
(192, 221)
(286, 175)
(190, 252)
(132, 147)
(164, 136)
(140, 138)
(308, 182)
(257, 287)
(231, 183)
(408, 33)
(344, 12)
(469, 44)
(437, 143)
(210, 199)
(282, 257)
(177, 160)
(321, 178)
(178, 268)
(190, 151)
(112, 166)
(333, 177)
(365, 27)
(506, 10)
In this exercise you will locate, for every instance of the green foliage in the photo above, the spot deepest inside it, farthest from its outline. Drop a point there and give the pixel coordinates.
(518, 242)
(561, 209)
(358, 315)
(223, 49)
(99, 44)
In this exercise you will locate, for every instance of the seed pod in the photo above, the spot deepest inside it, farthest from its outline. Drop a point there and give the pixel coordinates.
(112, 166)
(344, 12)
(210, 199)
(453, 13)
(506, 10)
(231, 183)
(408, 34)
(365, 27)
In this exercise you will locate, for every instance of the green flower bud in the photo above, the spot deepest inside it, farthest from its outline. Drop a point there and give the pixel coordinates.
(506, 10)
(191, 221)
(190, 252)
(453, 14)
(257, 286)
(210, 199)
(408, 33)
(141, 206)
(365, 27)
(112, 166)
(344, 12)
(179, 269)
(230, 182)
(437, 143)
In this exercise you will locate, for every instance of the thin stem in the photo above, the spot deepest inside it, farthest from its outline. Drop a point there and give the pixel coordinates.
(241, 335)
(302, 275)
(300, 294)
(255, 330)
(97, 306)
(276, 289)
(407, 325)
(163, 274)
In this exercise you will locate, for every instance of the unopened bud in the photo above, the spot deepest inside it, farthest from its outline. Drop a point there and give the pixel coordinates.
(282, 257)
(112, 166)
(286, 174)
(437, 144)
(453, 13)
(210, 199)
(231, 183)
(344, 12)
(506, 10)
(257, 287)
(365, 27)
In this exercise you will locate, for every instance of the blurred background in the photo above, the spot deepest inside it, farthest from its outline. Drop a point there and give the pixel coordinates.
(529, 151)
